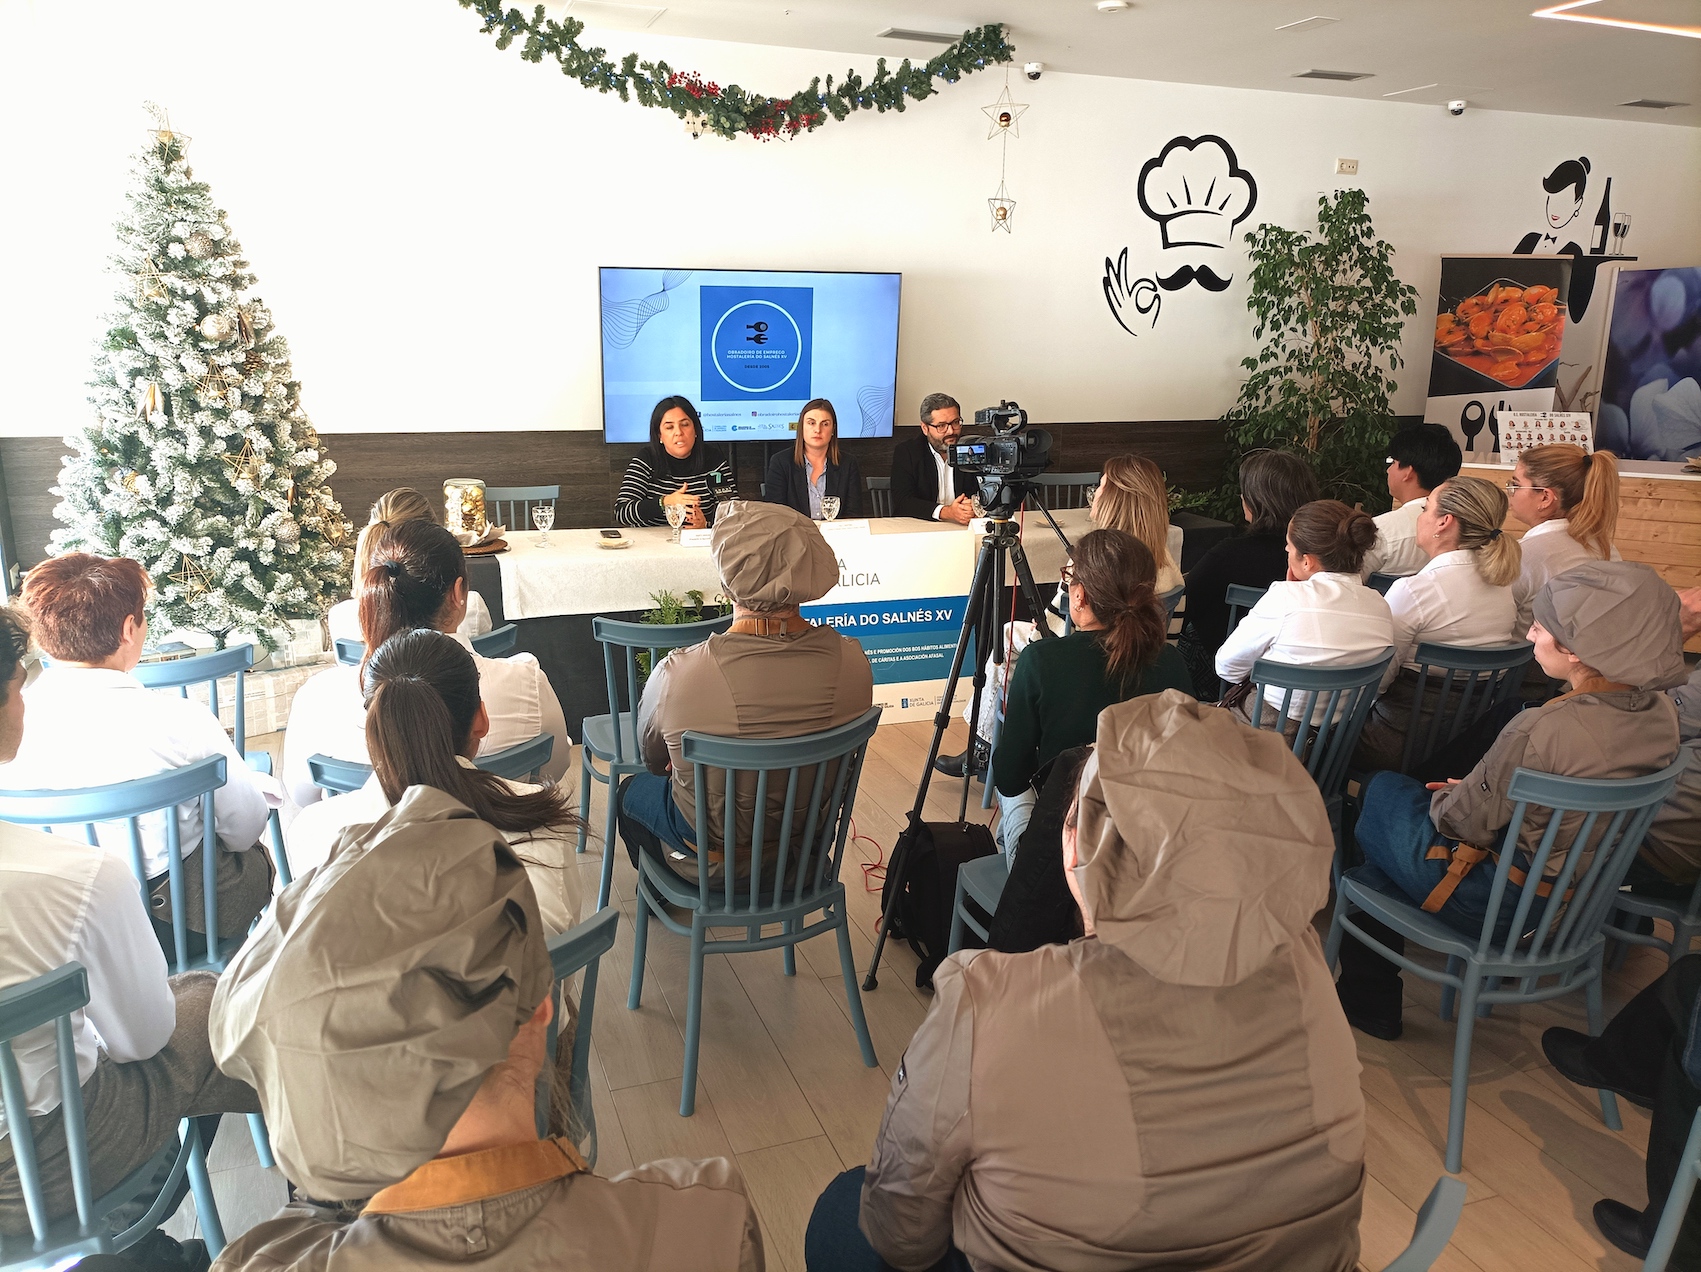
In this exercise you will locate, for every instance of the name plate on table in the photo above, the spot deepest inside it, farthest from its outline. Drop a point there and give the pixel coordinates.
(695, 538)
(844, 529)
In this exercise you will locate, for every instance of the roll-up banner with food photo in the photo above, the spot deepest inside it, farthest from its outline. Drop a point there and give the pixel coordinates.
(1499, 327)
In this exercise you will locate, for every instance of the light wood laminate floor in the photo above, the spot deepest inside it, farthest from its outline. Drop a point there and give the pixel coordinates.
(784, 1093)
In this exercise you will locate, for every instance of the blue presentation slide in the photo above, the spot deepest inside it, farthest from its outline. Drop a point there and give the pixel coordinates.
(749, 348)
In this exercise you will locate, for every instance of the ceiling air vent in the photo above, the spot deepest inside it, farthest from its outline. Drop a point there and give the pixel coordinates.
(923, 37)
(1307, 24)
(1653, 103)
(1339, 77)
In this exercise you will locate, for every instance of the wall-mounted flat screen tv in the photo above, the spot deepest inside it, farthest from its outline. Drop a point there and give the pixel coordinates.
(750, 348)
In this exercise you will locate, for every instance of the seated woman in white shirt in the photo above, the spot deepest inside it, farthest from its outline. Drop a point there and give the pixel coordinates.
(1322, 616)
(424, 723)
(1569, 499)
(417, 578)
(92, 723)
(402, 504)
(1461, 597)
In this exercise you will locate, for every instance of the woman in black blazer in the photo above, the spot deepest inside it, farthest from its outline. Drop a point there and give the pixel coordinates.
(813, 468)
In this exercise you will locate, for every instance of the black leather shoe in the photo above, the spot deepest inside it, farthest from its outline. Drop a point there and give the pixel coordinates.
(1374, 1011)
(952, 765)
(1622, 1226)
(1564, 1050)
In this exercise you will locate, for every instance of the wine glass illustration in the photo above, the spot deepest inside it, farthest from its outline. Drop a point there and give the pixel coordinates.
(1620, 231)
(543, 517)
(829, 507)
(676, 514)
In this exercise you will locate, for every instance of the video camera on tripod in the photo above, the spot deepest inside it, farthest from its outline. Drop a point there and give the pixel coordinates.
(1005, 463)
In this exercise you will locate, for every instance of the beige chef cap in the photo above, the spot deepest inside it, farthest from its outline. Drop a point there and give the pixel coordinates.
(770, 556)
(1620, 618)
(377, 992)
(1203, 845)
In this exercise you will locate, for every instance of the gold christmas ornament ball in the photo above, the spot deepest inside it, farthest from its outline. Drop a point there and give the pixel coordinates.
(199, 245)
(1001, 214)
(218, 327)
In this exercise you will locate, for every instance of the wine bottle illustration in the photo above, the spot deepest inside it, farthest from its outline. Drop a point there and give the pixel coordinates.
(1603, 223)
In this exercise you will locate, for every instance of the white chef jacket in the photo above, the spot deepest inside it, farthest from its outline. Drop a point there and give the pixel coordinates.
(328, 717)
(1548, 549)
(1448, 602)
(1329, 620)
(1395, 550)
(343, 619)
(63, 901)
(551, 862)
(90, 726)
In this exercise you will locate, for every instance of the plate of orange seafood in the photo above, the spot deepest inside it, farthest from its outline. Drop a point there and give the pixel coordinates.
(1507, 332)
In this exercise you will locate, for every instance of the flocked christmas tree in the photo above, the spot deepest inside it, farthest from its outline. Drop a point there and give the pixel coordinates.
(201, 463)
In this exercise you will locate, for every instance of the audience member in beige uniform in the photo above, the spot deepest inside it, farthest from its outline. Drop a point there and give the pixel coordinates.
(774, 675)
(1175, 1089)
(1610, 629)
(1670, 859)
(391, 1011)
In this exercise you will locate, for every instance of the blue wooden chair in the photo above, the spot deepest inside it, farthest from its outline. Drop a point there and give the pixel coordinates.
(580, 949)
(879, 496)
(1239, 598)
(520, 762)
(349, 650)
(53, 1242)
(497, 641)
(1436, 1220)
(1170, 600)
(337, 776)
(613, 738)
(1677, 1202)
(794, 869)
(209, 669)
(1065, 490)
(1685, 919)
(1560, 942)
(1467, 684)
(981, 881)
(511, 506)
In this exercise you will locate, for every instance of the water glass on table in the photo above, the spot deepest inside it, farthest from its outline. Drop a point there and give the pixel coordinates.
(543, 517)
(676, 514)
(829, 507)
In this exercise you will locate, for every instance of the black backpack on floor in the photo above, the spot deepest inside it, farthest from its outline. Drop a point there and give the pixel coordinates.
(922, 915)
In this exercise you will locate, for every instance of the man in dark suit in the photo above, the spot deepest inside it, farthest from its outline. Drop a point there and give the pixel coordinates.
(920, 470)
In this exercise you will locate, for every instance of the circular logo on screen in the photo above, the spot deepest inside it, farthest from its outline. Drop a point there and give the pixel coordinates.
(757, 346)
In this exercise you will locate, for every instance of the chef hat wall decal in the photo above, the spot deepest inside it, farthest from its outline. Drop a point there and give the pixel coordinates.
(1197, 192)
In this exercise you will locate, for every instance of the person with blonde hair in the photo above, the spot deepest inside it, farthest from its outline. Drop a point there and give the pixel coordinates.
(1569, 499)
(1132, 496)
(1461, 597)
(391, 508)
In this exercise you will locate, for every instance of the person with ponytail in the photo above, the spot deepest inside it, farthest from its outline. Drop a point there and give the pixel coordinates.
(425, 720)
(1321, 616)
(1461, 597)
(1116, 652)
(416, 577)
(1132, 496)
(402, 504)
(1569, 499)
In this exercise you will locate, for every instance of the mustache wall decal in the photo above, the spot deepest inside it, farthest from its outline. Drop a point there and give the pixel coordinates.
(1204, 275)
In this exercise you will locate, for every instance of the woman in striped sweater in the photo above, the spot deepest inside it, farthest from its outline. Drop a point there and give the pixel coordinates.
(677, 467)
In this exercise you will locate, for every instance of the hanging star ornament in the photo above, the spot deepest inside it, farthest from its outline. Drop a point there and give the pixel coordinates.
(245, 463)
(192, 578)
(1004, 115)
(1003, 209)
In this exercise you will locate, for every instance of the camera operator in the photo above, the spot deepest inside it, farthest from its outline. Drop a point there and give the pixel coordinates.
(921, 471)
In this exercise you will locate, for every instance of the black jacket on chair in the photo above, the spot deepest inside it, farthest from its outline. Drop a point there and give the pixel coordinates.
(787, 484)
(915, 480)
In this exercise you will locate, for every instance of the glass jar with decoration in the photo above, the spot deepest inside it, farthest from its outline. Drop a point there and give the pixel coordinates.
(463, 504)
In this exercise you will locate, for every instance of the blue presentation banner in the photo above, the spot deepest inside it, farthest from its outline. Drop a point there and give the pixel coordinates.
(756, 342)
(908, 640)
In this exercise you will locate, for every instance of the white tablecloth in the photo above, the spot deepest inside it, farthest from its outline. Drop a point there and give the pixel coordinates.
(575, 576)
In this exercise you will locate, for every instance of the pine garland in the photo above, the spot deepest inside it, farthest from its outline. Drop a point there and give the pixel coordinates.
(729, 111)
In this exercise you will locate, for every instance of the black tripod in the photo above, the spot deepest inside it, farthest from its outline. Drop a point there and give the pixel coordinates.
(1002, 542)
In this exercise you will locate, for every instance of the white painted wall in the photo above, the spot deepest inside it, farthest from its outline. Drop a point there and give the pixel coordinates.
(426, 214)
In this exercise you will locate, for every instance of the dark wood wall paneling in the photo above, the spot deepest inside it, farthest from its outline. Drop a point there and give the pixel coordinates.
(588, 469)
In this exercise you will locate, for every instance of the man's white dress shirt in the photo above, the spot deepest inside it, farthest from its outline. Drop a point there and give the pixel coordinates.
(947, 487)
(328, 717)
(63, 901)
(1395, 550)
(1548, 549)
(1328, 620)
(93, 727)
(1448, 602)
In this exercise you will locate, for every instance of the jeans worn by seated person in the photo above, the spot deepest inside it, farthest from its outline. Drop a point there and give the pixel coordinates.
(650, 820)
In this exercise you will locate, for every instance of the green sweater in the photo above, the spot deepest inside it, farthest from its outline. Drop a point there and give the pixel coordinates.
(1058, 689)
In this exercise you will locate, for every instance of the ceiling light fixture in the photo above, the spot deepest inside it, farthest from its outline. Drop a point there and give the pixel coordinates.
(1338, 77)
(1307, 24)
(1562, 13)
(1654, 103)
(924, 37)
(1111, 6)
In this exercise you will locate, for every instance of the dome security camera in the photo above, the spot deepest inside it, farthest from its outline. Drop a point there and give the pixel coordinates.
(1033, 70)
(1457, 107)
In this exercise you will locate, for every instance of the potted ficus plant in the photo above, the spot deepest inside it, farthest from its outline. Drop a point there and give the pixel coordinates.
(1329, 311)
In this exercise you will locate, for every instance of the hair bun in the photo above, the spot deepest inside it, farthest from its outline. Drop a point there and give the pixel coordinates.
(1359, 529)
(1584, 160)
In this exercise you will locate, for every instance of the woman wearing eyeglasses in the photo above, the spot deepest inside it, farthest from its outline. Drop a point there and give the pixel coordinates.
(1569, 499)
